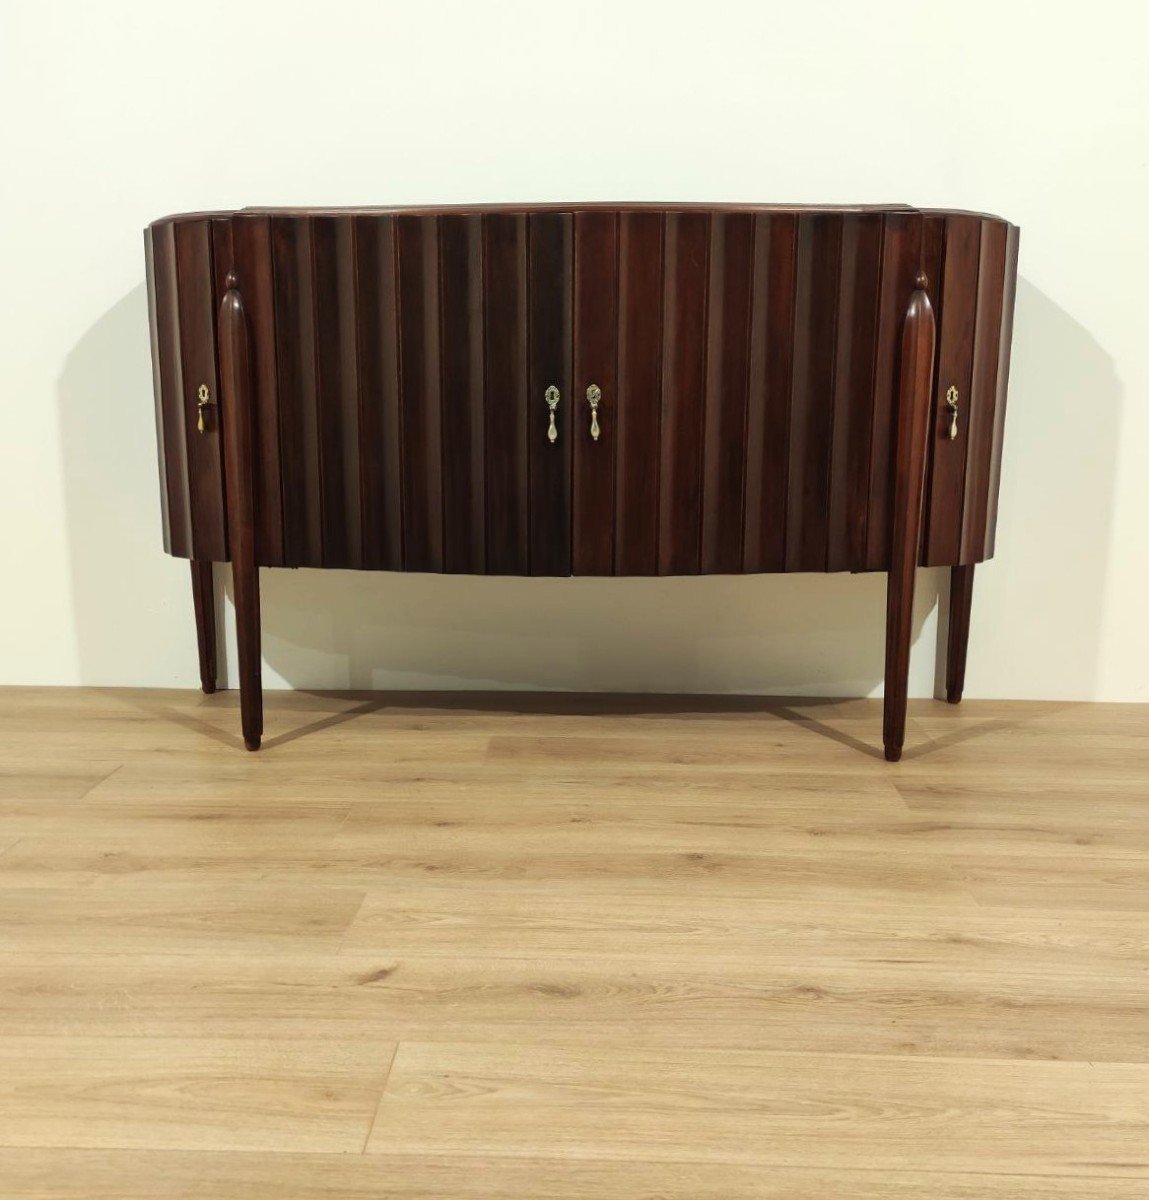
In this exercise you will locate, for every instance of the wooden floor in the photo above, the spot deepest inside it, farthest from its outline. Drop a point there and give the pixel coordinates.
(571, 947)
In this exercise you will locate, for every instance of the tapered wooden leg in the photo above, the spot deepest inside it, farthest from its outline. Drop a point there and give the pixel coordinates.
(961, 600)
(236, 402)
(915, 381)
(203, 600)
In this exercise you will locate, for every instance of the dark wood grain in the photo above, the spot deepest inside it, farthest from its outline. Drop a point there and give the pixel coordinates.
(203, 603)
(638, 419)
(727, 381)
(419, 394)
(854, 358)
(237, 405)
(595, 364)
(551, 283)
(958, 290)
(337, 389)
(901, 256)
(381, 467)
(198, 359)
(915, 377)
(768, 399)
(811, 393)
(251, 260)
(507, 400)
(957, 641)
(687, 269)
(167, 372)
(983, 388)
(1004, 346)
(464, 422)
(298, 413)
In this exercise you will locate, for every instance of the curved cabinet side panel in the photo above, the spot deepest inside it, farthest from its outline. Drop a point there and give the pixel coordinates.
(177, 540)
(1004, 348)
(197, 315)
(992, 263)
(957, 313)
(182, 301)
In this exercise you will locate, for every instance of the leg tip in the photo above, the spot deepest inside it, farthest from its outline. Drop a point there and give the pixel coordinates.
(208, 687)
(953, 695)
(252, 743)
(893, 753)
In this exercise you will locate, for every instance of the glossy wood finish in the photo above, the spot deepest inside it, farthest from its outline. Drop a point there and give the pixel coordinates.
(685, 273)
(912, 422)
(550, 305)
(237, 405)
(203, 603)
(748, 359)
(595, 365)
(961, 605)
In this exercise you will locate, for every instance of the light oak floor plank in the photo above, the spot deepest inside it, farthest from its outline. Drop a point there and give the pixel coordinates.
(873, 1112)
(35, 1174)
(189, 1093)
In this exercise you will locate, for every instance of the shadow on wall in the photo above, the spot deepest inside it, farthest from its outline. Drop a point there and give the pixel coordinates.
(782, 635)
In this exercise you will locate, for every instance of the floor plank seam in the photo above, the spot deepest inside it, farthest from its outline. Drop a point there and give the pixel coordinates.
(382, 1093)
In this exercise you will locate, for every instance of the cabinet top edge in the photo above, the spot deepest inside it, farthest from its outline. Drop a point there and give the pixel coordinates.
(577, 207)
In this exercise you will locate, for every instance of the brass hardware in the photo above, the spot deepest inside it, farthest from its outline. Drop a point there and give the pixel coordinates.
(552, 398)
(203, 399)
(952, 405)
(594, 395)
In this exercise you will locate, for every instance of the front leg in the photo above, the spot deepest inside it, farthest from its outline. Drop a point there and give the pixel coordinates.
(236, 401)
(917, 368)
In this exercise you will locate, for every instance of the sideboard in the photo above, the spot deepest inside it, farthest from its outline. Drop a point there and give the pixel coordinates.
(583, 389)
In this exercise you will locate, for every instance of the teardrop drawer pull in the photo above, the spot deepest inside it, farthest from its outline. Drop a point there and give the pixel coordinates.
(594, 395)
(552, 398)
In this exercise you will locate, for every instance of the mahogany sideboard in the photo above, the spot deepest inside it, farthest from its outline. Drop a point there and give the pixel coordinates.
(584, 389)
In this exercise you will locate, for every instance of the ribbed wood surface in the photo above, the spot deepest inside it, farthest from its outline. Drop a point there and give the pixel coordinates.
(747, 361)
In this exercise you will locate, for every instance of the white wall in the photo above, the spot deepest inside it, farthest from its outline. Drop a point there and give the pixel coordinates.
(119, 112)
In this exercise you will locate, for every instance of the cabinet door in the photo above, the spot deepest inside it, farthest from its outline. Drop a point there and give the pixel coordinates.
(595, 399)
(551, 247)
(181, 295)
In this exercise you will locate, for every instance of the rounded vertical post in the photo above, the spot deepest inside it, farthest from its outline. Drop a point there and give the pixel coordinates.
(961, 601)
(236, 404)
(919, 335)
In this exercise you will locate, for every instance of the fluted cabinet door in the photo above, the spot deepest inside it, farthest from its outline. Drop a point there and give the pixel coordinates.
(549, 441)
(595, 374)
